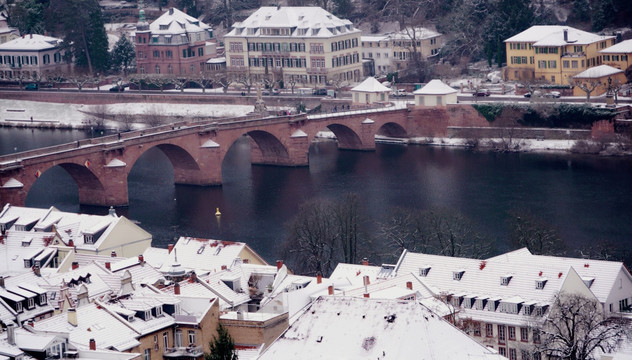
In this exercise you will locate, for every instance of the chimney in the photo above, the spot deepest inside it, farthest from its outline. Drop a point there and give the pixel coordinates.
(93, 345)
(170, 248)
(113, 254)
(75, 265)
(565, 35)
(279, 264)
(246, 261)
(366, 285)
(366, 295)
(366, 280)
(141, 259)
(1, 281)
(224, 267)
(111, 211)
(409, 285)
(31, 322)
(71, 243)
(176, 289)
(330, 289)
(319, 279)
(171, 11)
(31, 36)
(10, 334)
(36, 270)
(365, 262)
(72, 316)
(108, 265)
(192, 277)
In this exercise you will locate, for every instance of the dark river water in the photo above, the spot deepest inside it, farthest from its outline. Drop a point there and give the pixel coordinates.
(587, 199)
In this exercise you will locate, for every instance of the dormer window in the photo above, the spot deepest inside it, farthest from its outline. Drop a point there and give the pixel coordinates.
(164, 27)
(457, 275)
(18, 306)
(26, 242)
(31, 303)
(88, 238)
(588, 281)
(539, 284)
(423, 271)
(147, 314)
(504, 280)
(158, 311)
(42, 299)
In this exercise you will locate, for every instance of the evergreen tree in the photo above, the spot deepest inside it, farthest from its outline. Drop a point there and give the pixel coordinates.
(81, 22)
(27, 16)
(222, 346)
(123, 54)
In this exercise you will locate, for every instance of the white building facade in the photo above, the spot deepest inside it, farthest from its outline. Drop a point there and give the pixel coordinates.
(32, 56)
(305, 44)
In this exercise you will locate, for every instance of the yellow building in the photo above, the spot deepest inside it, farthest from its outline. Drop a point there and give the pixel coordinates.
(553, 53)
(619, 55)
(306, 44)
(597, 79)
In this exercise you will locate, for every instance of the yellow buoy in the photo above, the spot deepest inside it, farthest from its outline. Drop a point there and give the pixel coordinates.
(217, 213)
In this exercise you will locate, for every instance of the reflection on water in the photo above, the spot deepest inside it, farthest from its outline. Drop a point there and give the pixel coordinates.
(586, 198)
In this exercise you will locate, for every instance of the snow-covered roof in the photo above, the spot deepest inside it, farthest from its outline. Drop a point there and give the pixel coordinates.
(204, 255)
(31, 42)
(553, 35)
(175, 22)
(19, 246)
(371, 85)
(299, 21)
(418, 33)
(435, 87)
(624, 47)
(374, 38)
(354, 328)
(598, 72)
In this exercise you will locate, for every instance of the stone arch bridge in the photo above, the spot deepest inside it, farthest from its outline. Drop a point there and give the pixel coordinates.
(196, 149)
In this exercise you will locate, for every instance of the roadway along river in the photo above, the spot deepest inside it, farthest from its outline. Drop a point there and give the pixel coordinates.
(588, 199)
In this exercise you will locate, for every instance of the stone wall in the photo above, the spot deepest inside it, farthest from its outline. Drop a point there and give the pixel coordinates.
(517, 132)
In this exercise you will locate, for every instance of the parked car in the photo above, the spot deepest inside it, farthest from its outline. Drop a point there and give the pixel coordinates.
(265, 92)
(398, 93)
(536, 93)
(320, 92)
(31, 87)
(481, 92)
(276, 91)
(117, 88)
(553, 94)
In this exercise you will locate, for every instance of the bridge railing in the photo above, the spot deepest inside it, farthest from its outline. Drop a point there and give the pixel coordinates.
(359, 111)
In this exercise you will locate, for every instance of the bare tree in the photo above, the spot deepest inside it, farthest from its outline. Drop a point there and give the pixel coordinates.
(57, 78)
(222, 78)
(160, 81)
(347, 216)
(527, 230)
(291, 81)
(451, 234)
(127, 121)
(179, 81)
(80, 80)
(577, 326)
(403, 229)
(247, 81)
(203, 79)
(153, 116)
(99, 114)
(138, 80)
(310, 248)
(587, 85)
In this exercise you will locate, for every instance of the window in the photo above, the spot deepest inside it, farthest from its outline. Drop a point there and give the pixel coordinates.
(147, 354)
(457, 275)
(87, 238)
(524, 355)
(536, 336)
(156, 346)
(489, 330)
(156, 53)
(477, 328)
(524, 334)
(537, 356)
(191, 337)
(501, 334)
(31, 303)
(157, 69)
(42, 299)
(552, 78)
(566, 64)
(18, 306)
(178, 342)
(539, 284)
(165, 339)
(623, 305)
(504, 280)
(502, 351)
(423, 271)
(512, 354)
(512, 332)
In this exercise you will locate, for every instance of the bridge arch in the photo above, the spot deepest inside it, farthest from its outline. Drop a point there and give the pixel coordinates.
(186, 169)
(265, 148)
(89, 186)
(393, 130)
(347, 138)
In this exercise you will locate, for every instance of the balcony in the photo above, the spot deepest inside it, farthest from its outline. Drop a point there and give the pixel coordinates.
(239, 69)
(188, 352)
(574, 54)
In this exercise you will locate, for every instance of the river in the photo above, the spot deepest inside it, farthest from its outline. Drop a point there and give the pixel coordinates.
(588, 199)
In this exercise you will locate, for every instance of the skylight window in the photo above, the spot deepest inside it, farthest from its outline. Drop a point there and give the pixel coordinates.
(539, 284)
(504, 280)
(423, 271)
(457, 275)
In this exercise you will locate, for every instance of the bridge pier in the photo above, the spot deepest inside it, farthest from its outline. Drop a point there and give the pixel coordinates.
(297, 153)
(14, 196)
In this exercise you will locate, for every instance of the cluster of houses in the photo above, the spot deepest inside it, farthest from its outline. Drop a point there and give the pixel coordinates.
(310, 46)
(92, 287)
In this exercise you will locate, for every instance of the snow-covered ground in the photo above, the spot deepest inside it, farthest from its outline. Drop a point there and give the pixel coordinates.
(75, 115)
